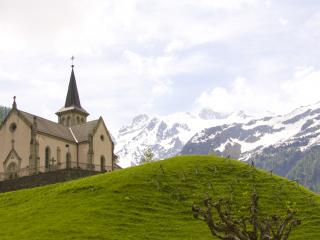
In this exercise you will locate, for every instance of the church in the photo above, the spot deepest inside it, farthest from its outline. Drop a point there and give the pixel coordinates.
(30, 144)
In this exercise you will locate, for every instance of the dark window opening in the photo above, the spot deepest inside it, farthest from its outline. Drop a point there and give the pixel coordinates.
(13, 127)
(68, 160)
(102, 138)
(47, 158)
(103, 163)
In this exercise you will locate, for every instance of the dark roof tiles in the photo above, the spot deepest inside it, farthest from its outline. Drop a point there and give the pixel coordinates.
(76, 134)
(73, 95)
(81, 132)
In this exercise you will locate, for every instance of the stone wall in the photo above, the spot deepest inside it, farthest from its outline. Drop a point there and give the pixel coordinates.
(44, 179)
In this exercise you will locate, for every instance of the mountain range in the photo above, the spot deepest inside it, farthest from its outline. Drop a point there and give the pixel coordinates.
(288, 145)
(166, 136)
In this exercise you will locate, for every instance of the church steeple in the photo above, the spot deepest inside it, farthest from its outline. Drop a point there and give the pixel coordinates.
(72, 113)
(72, 95)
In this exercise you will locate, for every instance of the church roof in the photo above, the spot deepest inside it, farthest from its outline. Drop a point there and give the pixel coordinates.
(73, 99)
(81, 132)
(74, 134)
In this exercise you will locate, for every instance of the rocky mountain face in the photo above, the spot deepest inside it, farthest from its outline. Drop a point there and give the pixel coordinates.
(166, 135)
(288, 145)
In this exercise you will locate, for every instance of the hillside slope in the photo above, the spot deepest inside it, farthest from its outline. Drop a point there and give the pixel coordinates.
(151, 201)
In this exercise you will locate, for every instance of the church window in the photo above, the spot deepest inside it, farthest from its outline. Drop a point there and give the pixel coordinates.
(68, 160)
(102, 138)
(68, 121)
(58, 156)
(13, 127)
(78, 120)
(82, 120)
(62, 120)
(103, 163)
(47, 158)
(12, 170)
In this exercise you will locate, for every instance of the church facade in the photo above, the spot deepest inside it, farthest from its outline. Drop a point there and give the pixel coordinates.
(30, 144)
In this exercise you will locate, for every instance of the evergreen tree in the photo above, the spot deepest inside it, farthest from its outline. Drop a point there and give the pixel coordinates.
(3, 113)
(147, 156)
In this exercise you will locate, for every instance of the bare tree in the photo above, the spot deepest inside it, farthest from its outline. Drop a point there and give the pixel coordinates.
(252, 227)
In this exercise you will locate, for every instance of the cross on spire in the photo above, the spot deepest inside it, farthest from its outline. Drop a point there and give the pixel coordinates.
(72, 58)
(14, 104)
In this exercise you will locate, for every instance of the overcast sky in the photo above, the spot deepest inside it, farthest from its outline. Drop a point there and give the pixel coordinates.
(160, 57)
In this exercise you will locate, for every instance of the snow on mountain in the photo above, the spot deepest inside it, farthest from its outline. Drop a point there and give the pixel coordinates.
(166, 135)
(253, 136)
(209, 114)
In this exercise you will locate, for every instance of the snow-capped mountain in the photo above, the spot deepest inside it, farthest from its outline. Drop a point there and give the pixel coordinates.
(286, 144)
(166, 135)
(257, 134)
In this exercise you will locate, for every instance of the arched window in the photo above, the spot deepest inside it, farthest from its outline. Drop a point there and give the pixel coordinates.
(68, 160)
(103, 163)
(78, 120)
(62, 120)
(82, 120)
(12, 170)
(47, 158)
(68, 121)
(58, 156)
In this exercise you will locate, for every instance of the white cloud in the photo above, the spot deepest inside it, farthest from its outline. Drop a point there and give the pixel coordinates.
(268, 3)
(303, 89)
(133, 54)
(283, 21)
(173, 46)
(240, 97)
(162, 88)
(300, 90)
(227, 5)
(153, 70)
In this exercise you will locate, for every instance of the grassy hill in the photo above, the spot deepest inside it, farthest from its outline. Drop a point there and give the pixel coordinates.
(152, 201)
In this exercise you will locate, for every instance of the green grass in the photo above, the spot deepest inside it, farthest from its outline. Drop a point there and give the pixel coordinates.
(152, 201)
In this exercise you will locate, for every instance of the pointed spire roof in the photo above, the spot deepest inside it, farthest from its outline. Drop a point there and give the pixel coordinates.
(73, 95)
(72, 99)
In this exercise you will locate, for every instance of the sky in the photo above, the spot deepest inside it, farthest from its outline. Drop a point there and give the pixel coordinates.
(160, 57)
